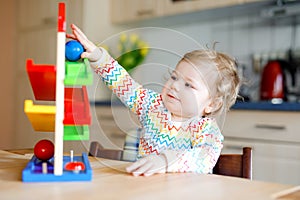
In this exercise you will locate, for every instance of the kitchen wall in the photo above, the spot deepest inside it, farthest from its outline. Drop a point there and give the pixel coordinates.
(7, 86)
(242, 33)
(246, 36)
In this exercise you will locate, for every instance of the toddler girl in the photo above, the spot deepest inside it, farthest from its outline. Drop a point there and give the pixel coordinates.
(181, 132)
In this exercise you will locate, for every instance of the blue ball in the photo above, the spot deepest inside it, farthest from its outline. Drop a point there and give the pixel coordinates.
(73, 50)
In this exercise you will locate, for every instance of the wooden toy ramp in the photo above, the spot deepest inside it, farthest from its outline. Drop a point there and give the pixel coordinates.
(68, 118)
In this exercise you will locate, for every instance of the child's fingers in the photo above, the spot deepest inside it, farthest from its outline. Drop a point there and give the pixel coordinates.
(79, 37)
(136, 165)
(142, 169)
(149, 172)
(88, 45)
(85, 55)
(78, 32)
(71, 36)
(153, 170)
(147, 166)
(133, 166)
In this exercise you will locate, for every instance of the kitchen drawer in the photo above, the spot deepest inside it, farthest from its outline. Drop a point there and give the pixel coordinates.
(274, 126)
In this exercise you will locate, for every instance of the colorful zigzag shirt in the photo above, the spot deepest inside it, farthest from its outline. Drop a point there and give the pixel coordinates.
(190, 146)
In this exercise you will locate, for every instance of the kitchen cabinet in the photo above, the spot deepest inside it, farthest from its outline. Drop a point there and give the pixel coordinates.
(37, 14)
(253, 1)
(274, 137)
(132, 10)
(179, 7)
(276, 126)
(135, 10)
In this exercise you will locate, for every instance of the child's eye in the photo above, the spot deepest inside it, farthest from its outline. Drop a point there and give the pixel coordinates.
(188, 85)
(173, 77)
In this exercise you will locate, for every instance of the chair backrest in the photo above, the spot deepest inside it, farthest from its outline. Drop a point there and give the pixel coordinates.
(238, 165)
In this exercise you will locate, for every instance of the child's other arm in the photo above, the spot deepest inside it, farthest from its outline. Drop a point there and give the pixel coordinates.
(202, 157)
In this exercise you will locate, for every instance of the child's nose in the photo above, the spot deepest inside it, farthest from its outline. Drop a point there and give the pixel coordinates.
(175, 86)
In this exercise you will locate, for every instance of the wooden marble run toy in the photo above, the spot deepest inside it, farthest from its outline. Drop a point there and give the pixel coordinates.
(69, 119)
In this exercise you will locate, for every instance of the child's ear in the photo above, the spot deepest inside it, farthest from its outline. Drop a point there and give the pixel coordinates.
(213, 106)
(208, 109)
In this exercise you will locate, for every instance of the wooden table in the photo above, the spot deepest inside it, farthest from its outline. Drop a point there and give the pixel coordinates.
(111, 182)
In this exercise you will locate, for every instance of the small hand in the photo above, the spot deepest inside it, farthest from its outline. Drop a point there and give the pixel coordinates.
(89, 47)
(148, 166)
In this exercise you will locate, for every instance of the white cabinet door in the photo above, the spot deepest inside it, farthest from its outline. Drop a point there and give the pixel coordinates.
(37, 14)
(133, 10)
(178, 7)
(275, 162)
(275, 139)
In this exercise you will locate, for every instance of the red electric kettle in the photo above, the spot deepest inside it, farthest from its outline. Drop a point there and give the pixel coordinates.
(272, 81)
(279, 77)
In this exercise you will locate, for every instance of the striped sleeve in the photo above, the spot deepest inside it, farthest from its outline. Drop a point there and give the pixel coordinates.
(131, 93)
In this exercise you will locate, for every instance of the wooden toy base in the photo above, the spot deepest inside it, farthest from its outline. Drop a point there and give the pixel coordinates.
(33, 172)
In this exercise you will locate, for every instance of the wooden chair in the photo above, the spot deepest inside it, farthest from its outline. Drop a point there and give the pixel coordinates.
(238, 165)
(97, 150)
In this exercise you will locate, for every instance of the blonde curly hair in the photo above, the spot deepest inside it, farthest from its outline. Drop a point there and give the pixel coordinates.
(219, 72)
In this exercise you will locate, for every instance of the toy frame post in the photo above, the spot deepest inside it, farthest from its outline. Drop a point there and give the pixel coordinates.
(60, 76)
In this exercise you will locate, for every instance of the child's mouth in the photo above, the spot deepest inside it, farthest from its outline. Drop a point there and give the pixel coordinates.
(172, 97)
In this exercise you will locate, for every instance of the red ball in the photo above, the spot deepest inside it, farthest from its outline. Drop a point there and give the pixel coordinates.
(44, 150)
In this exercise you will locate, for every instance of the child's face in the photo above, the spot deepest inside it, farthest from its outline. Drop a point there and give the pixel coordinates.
(185, 94)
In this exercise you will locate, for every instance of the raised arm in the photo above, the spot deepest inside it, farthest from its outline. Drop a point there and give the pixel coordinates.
(113, 74)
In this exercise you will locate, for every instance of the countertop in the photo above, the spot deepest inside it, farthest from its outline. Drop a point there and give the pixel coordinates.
(110, 181)
(285, 106)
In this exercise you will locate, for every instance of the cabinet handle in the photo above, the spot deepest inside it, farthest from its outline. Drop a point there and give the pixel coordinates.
(49, 20)
(144, 12)
(270, 126)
